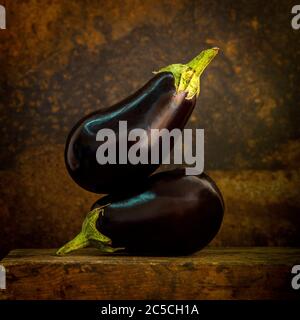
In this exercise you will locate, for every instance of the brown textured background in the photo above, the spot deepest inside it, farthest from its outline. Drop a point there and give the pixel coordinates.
(60, 60)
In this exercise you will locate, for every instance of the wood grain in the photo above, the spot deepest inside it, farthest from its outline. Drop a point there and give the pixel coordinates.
(213, 273)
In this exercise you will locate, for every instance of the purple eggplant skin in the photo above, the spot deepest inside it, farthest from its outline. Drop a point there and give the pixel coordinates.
(172, 214)
(156, 105)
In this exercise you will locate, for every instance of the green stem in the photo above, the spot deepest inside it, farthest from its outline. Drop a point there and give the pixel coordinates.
(187, 76)
(80, 241)
(89, 235)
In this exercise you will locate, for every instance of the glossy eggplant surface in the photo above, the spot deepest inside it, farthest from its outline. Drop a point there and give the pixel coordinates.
(171, 214)
(165, 102)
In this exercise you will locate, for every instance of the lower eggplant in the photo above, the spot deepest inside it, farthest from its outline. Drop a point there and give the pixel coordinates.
(171, 214)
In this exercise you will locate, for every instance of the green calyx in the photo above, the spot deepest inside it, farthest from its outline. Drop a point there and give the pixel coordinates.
(89, 236)
(187, 76)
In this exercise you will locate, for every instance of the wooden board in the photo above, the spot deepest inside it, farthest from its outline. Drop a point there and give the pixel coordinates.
(214, 273)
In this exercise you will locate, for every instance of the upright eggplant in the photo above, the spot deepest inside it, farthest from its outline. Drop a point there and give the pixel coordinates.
(165, 102)
(172, 214)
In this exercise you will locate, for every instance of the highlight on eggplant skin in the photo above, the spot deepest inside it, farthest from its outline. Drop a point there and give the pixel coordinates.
(172, 214)
(153, 106)
(165, 102)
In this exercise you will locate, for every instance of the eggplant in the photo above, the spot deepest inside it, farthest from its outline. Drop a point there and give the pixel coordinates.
(165, 102)
(172, 214)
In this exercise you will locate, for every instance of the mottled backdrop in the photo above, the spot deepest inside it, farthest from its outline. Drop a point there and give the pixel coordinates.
(60, 60)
